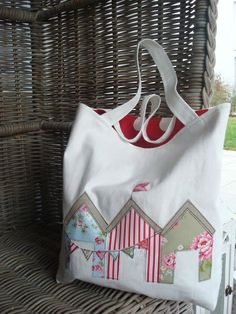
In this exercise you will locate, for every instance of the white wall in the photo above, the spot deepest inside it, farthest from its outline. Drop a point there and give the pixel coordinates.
(234, 44)
(226, 41)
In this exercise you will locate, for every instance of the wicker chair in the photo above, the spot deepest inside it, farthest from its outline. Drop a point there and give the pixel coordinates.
(53, 55)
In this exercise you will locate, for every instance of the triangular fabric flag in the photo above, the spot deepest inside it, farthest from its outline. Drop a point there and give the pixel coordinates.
(114, 254)
(73, 247)
(141, 187)
(144, 244)
(129, 251)
(101, 254)
(87, 253)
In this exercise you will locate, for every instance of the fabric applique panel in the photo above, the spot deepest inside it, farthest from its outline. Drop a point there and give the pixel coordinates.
(87, 253)
(98, 267)
(133, 230)
(187, 230)
(80, 225)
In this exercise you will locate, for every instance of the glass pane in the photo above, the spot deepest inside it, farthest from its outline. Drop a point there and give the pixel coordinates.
(220, 303)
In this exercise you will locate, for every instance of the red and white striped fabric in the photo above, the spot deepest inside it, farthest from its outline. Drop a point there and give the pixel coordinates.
(111, 155)
(131, 231)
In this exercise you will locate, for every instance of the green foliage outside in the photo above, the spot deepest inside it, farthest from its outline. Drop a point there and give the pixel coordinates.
(223, 93)
(233, 104)
(230, 137)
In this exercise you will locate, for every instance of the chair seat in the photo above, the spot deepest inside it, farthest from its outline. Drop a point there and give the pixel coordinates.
(28, 264)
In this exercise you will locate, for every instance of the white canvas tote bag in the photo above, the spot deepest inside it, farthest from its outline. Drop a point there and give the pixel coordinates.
(141, 196)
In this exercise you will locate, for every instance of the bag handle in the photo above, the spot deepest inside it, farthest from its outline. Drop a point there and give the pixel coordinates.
(165, 135)
(174, 101)
(140, 122)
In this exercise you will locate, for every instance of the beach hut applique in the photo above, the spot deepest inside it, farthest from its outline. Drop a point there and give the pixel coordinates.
(131, 230)
(85, 224)
(188, 230)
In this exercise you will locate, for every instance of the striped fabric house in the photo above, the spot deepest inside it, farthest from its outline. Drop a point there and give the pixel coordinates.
(132, 229)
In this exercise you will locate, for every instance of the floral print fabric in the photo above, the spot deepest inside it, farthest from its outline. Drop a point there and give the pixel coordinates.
(188, 234)
(98, 267)
(204, 244)
(169, 261)
(188, 230)
(83, 227)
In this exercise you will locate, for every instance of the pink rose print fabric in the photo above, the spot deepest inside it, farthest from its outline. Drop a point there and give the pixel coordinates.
(169, 261)
(187, 230)
(186, 233)
(99, 240)
(204, 243)
(98, 267)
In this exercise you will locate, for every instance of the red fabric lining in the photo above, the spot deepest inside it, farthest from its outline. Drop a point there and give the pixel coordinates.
(153, 129)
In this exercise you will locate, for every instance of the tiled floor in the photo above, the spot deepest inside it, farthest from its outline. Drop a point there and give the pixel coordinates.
(229, 182)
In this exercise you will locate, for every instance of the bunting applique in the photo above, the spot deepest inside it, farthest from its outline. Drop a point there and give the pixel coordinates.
(144, 244)
(87, 253)
(73, 247)
(101, 254)
(129, 251)
(114, 254)
(98, 266)
(133, 229)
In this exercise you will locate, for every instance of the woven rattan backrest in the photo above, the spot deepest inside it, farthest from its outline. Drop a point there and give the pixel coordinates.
(54, 55)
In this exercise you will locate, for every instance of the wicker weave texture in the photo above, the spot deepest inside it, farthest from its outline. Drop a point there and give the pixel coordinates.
(54, 54)
(95, 61)
(86, 55)
(28, 262)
